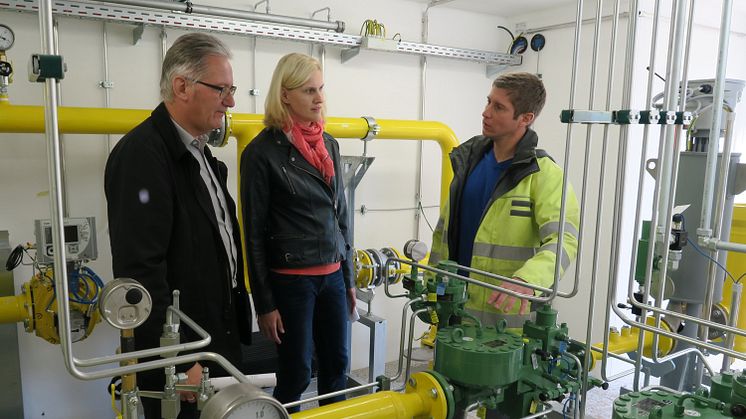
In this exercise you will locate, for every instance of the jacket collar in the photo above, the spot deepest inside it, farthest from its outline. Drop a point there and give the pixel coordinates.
(166, 128)
(470, 152)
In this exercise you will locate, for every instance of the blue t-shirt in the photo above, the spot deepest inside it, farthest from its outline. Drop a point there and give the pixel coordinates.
(477, 192)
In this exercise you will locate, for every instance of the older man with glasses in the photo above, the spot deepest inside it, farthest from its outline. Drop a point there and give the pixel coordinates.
(172, 223)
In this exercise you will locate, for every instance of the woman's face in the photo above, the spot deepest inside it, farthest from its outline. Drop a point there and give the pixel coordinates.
(306, 102)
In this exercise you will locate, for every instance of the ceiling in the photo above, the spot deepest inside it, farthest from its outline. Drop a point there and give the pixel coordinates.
(504, 8)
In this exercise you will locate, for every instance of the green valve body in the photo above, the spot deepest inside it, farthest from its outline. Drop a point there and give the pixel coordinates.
(664, 405)
(445, 296)
(493, 359)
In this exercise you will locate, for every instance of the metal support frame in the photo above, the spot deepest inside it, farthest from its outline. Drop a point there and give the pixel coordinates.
(236, 23)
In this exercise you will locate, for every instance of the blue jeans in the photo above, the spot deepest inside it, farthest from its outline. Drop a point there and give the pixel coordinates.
(315, 315)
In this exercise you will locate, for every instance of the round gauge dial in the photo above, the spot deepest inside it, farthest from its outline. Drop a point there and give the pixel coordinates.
(7, 37)
(258, 409)
(244, 401)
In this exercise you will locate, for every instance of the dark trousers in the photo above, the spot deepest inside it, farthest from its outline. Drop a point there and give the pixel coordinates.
(314, 314)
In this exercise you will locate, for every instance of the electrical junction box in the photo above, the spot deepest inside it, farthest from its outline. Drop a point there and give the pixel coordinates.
(80, 240)
(377, 43)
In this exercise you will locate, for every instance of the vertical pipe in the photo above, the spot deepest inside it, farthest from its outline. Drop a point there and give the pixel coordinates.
(719, 210)
(566, 160)
(661, 216)
(717, 109)
(164, 43)
(55, 186)
(420, 148)
(599, 206)
(63, 174)
(621, 168)
(107, 93)
(677, 156)
(735, 306)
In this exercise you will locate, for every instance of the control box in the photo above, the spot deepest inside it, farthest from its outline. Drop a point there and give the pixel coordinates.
(80, 240)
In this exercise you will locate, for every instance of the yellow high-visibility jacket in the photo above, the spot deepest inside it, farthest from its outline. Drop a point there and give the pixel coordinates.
(517, 236)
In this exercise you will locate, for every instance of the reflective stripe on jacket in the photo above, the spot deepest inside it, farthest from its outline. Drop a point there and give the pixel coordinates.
(518, 232)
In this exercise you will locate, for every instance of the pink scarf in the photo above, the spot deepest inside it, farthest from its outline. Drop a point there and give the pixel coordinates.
(309, 140)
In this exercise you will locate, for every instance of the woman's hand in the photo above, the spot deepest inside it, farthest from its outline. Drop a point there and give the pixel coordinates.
(270, 325)
(351, 300)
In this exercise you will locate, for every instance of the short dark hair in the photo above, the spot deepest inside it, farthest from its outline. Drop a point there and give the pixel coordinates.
(525, 91)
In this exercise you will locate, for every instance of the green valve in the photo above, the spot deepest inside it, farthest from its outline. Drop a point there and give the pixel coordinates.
(493, 359)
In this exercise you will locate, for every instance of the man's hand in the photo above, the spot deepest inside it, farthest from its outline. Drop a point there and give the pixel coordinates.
(194, 376)
(505, 302)
(351, 300)
(271, 326)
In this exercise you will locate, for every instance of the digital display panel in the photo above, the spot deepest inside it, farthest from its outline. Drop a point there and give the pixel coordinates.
(71, 234)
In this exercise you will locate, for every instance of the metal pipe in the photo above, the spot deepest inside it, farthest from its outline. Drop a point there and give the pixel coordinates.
(677, 157)
(164, 43)
(403, 332)
(566, 163)
(622, 172)
(717, 108)
(565, 25)
(189, 8)
(695, 342)
(205, 340)
(665, 175)
(719, 211)
(735, 306)
(104, 85)
(599, 205)
(410, 341)
(329, 395)
(547, 408)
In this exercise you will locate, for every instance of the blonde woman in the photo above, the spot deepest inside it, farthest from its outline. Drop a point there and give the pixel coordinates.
(298, 247)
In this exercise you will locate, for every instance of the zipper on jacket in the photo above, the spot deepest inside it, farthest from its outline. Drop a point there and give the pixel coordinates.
(287, 176)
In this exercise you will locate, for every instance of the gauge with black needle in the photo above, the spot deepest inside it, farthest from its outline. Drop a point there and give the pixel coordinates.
(6, 37)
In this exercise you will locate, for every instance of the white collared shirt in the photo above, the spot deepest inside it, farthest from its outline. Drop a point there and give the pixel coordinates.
(196, 147)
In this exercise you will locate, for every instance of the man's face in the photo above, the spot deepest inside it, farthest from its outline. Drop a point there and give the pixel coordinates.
(306, 102)
(205, 108)
(498, 119)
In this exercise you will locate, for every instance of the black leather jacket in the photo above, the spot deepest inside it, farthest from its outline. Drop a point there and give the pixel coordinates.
(291, 217)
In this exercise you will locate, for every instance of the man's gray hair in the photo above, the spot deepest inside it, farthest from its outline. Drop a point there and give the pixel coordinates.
(187, 58)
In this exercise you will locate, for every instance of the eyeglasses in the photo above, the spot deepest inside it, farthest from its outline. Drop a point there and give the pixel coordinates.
(224, 91)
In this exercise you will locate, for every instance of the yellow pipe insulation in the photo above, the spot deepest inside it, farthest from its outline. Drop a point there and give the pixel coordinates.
(425, 399)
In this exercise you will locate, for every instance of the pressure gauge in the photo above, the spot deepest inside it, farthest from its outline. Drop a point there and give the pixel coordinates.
(243, 400)
(7, 37)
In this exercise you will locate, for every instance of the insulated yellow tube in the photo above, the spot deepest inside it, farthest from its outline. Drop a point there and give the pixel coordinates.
(425, 399)
(736, 265)
(14, 309)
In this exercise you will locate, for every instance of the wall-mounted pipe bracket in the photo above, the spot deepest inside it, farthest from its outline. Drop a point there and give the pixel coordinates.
(137, 33)
(373, 128)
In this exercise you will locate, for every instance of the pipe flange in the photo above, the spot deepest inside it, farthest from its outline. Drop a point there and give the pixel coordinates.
(373, 128)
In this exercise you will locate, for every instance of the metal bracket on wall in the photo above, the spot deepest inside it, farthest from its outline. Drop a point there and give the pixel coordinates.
(143, 16)
(137, 33)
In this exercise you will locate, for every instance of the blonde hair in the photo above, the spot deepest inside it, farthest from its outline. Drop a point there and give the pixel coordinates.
(292, 72)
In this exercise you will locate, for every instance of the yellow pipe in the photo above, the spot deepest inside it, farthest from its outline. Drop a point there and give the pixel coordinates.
(30, 119)
(246, 126)
(14, 308)
(736, 265)
(426, 399)
(625, 341)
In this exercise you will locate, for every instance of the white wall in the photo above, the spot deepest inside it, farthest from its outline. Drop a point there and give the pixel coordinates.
(378, 84)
